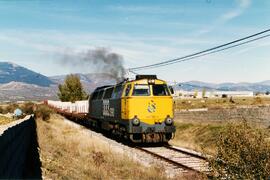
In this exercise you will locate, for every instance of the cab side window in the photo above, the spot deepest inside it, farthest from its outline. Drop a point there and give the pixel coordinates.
(108, 93)
(117, 91)
(128, 88)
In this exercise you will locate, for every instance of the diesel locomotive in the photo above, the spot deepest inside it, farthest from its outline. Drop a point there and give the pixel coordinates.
(140, 110)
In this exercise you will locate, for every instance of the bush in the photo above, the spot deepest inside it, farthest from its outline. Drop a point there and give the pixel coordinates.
(242, 153)
(43, 112)
(257, 100)
(28, 108)
(11, 108)
(2, 110)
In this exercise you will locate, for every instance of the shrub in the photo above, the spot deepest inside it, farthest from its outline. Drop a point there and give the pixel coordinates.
(257, 100)
(242, 153)
(2, 110)
(43, 112)
(98, 158)
(28, 108)
(11, 108)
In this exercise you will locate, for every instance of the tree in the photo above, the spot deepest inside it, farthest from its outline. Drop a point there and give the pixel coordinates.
(195, 93)
(203, 93)
(72, 89)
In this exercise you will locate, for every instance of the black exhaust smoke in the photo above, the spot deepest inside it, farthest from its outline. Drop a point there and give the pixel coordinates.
(100, 60)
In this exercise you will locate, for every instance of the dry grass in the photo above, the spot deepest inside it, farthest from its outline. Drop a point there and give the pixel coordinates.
(199, 137)
(4, 120)
(68, 153)
(213, 103)
(203, 137)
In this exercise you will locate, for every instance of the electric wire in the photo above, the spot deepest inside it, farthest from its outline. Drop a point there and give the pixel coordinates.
(205, 52)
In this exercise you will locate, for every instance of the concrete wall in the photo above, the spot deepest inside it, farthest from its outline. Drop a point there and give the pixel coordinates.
(18, 150)
(255, 115)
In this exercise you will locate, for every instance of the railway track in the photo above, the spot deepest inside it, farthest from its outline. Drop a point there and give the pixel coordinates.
(178, 157)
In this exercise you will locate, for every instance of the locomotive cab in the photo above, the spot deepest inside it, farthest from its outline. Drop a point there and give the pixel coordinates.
(147, 105)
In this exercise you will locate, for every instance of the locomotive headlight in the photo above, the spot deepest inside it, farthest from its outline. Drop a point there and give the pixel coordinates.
(151, 81)
(135, 121)
(169, 121)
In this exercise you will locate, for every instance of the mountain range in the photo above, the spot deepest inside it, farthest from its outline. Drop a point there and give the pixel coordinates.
(244, 86)
(12, 72)
(20, 83)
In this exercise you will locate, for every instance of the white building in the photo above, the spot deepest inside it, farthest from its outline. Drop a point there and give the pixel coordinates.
(212, 94)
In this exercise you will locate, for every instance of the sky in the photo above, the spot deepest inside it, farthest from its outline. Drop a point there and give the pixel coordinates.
(36, 34)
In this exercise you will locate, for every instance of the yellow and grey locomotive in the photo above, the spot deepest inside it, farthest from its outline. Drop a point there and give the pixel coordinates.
(140, 110)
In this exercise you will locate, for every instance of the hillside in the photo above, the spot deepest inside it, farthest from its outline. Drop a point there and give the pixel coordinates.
(14, 91)
(20, 83)
(12, 72)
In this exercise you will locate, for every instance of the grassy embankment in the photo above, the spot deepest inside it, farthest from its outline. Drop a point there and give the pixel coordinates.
(201, 137)
(68, 153)
(212, 103)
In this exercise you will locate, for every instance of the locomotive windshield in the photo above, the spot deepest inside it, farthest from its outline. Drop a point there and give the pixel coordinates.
(141, 90)
(160, 90)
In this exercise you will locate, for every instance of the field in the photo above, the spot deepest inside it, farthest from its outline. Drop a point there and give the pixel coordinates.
(212, 103)
(68, 153)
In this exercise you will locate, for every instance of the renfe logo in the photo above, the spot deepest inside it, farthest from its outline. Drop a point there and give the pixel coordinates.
(107, 111)
(151, 106)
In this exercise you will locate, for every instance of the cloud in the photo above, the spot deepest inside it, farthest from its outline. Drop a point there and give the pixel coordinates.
(133, 48)
(242, 6)
(150, 9)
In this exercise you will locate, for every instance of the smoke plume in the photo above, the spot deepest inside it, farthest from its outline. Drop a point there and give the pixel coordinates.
(101, 60)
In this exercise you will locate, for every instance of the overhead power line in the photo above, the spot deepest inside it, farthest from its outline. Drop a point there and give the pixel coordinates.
(229, 45)
(205, 54)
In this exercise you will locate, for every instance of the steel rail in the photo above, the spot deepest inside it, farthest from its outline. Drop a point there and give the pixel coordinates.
(186, 152)
(175, 163)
